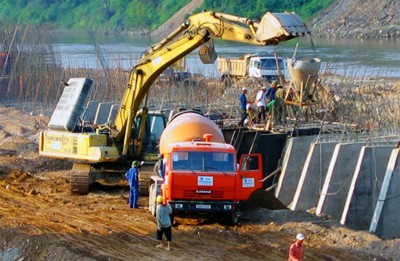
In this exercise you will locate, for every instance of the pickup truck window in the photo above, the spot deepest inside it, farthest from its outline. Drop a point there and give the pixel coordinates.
(204, 161)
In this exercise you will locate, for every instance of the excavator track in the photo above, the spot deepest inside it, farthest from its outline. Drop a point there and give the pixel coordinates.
(79, 179)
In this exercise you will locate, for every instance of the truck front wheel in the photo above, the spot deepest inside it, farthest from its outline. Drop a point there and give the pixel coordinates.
(233, 218)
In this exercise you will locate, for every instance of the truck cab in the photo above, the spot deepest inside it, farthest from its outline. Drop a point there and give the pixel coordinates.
(266, 67)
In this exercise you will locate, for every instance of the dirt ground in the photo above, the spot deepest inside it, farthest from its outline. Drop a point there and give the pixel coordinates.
(39, 220)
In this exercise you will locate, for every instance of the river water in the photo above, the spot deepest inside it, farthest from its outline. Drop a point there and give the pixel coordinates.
(348, 57)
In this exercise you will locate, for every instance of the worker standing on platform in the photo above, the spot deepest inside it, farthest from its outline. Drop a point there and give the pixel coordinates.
(279, 106)
(132, 175)
(243, 104)
(260, 99)
(270, 98)
(270, 94)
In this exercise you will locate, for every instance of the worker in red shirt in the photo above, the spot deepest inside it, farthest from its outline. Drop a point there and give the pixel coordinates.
(296, 250)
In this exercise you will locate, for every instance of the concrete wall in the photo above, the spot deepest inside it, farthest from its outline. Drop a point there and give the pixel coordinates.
(293, 161)
(385, 222)
(312, 175)
(365, 186)
(338, 179)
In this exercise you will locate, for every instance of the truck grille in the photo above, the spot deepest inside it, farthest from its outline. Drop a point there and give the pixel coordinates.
(194, 195)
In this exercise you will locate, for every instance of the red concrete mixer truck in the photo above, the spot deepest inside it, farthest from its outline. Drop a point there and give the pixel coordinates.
(199, 173)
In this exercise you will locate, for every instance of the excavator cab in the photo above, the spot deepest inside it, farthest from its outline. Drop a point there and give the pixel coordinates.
(155, 124)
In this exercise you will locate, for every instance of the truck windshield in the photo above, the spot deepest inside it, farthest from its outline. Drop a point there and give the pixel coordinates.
(204, 161)
(270, 64)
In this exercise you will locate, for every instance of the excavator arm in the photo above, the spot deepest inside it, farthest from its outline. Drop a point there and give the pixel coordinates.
(194, 32)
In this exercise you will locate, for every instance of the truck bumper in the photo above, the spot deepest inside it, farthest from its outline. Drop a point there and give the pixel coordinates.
(203, 207)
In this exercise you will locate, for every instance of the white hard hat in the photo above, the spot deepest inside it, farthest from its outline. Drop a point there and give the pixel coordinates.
(300, 237)
(244, 89)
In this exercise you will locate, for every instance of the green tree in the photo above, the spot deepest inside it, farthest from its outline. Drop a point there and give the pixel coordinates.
(119, 15)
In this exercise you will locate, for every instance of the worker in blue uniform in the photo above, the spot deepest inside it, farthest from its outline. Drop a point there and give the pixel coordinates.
(132, 175)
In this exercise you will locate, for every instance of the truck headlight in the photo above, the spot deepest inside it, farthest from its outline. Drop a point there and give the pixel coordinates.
(179, 205)
(227, 207)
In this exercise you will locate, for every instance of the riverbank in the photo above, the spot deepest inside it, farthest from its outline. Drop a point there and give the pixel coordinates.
(361, 19)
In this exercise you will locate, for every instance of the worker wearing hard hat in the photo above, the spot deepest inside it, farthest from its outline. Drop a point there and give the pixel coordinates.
(260, 102)
(270, 94)
(279, 106)
(296, 250)
(243, 103)
(251, 115)
(164, 223)
(132, 175)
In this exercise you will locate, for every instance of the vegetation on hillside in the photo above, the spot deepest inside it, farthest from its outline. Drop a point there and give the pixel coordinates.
(112, 15)
(128, 15)
(256, 8)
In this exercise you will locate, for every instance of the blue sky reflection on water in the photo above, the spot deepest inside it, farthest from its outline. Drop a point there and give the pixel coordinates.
(347, 57)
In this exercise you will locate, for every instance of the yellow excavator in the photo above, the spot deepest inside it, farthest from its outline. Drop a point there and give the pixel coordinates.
(108, 149)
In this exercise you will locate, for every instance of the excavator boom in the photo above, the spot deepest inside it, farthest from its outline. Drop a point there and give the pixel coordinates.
(194, 32)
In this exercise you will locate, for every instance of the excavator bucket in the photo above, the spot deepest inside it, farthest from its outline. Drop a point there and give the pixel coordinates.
(277, 27)
(207, 53)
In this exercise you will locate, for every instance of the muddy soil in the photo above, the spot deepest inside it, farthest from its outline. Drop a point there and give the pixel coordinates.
(40, 220)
